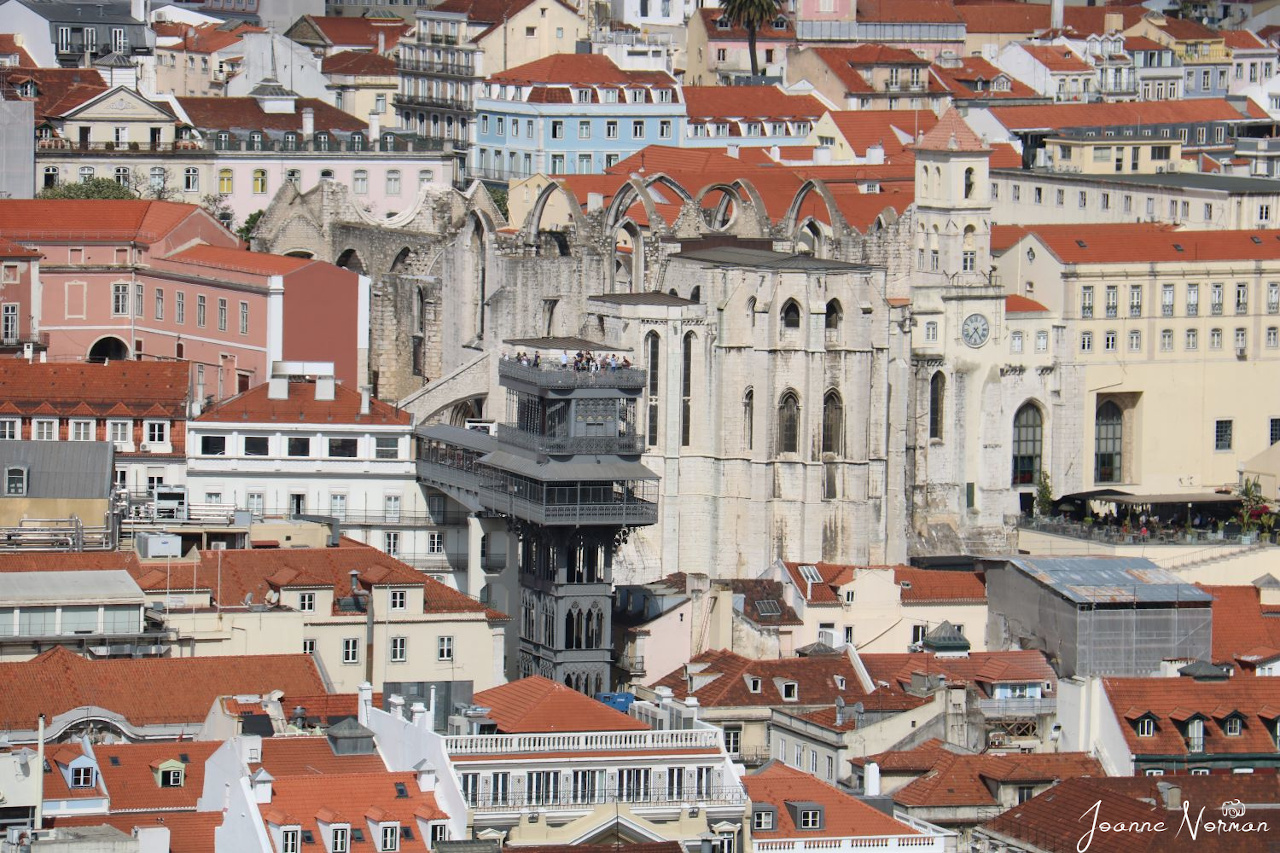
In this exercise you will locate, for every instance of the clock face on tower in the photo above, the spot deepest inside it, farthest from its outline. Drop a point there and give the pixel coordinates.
(975, 330)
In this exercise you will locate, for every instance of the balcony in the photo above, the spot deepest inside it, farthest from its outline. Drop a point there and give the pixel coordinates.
(441, 38)
(549, 376)
(352, 518)
(1017, 707)
(444, 69)
(645, 795)
(633, 664)
(587, 743)
(1197, 53)
(573, 444)
(442, 101)
(905, 86)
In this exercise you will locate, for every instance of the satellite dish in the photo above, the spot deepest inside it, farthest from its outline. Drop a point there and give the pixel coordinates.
(272, 596)
(248, 599)
(839, 701)
(857, 708)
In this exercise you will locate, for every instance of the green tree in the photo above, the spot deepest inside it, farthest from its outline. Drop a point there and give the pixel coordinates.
(752, 15)
(245, 231)
(500, 197)
(92, 188)
(1044, 495)
(1251, 502)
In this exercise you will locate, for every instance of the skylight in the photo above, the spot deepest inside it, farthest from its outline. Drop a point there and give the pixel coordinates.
(810, 573)
(768, 607)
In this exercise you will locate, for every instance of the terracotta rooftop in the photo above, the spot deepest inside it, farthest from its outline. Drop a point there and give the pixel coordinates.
(759, 102)
(894, 129)
(983, 669)
(951, 134)
(211, 37)
(1242, 40)
(908, 12)
(1184, 29)
(1066, 116)
(60, 220)
(724, 679)
(363, 63)
(1016, 304)
(921, 585)
(246, 113)
(189, 832)
(1056, 57)
(953, 779)
(119, 388)
(1151, 243)
(130, 769)
(735, 32)
(9, 47)
(354, 798)
(590, 69)
(536, 705)
(756, 593)
(342, 31)
(868, 55)
(311, 756)
(845, 816)
(1242, 626)
(11, 250)
(1133, 43)
(58, 681)
(255, 406)
(974, 76)
(57, 89)
(1172, 702)
(241, 260)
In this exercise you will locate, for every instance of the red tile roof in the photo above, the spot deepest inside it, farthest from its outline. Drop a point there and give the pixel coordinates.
(982, 669)
(245, 113)
(753, 591)
(582, 68)
(1015, 304)
(869, 55)
(353, 798)
(929, 586)
(907, 12)
(845, 815)
(1150, 243)
(241, 260)
(953, 779)
(311, 756)
(9, 47)
(57, 89)
(128, 770)
(11, 250)
(951, 134)
(1056, 57)
(1184, 29)
(734, 32)
(766, 102)
(864, 128)
(1004, 18)
(1173, 701)
(58, 681)
(61, 387)
(189, 832)
(360, 32)
(1242, 40)
(1132, 43)
(973, 72)
(720, 680)
(211, 37)
(358, 62)
(537, 705)
(1052, 821)
(256, 406)
(1241, 625)
(60, 220)
(1060, 116)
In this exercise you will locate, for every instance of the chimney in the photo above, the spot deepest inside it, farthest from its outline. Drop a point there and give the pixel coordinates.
(427, 775)
(839, 711)
(732, 151)
(308, 122)
(278, 388)
(364, 399)
(871, 779)
(1112, 22)
(382, 42)
(418, 714)
(152, 839)
(365, 694)
(375, 127)
(1171, 794)
(261, 781)
(138, 10)
(431, 706)
(1055, 14)
(324, 387)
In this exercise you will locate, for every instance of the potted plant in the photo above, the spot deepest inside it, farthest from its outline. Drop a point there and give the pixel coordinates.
(1267, 521)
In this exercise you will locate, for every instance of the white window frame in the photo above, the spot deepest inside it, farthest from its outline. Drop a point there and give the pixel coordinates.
(399, 649)
(444, 648)
(78, 427)
(40, 425)
(351, 651)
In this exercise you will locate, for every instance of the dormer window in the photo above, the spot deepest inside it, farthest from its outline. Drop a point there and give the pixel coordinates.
(222, 141)
(15, 481)
(811, 819)
(171, 778)
(1146, 727)
(753, 684)
(357, 142)
(1233, 727)
(840, 682)
(1195, 735)
(583, 96)
(780, 23)
(291, 839)
(790, 691)
(723, 23)
(82, 777)
(291, 141)
(762, 820)
(341, 839)
(27, 89)
(390, 837)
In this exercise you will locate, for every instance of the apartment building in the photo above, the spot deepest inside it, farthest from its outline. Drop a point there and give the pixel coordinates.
(717, 50)
(60, 34)
(199, 60)
(134, 279)
(747, 116)
(868, 77)
(572, 114)
(20, 306)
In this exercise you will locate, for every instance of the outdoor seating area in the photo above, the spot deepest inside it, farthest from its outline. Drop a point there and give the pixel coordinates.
(1117, 518)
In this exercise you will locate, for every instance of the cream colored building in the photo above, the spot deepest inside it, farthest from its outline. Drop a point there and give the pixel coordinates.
(1177, 337)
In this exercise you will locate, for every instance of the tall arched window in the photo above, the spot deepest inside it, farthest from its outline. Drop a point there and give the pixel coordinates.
(834, 314)
(751, 311)
(1028, 443)
(968, 183)
(225, 185)
(686, 388)
(937, 403)
(1108, 436)
(791, 315)
(748, 418)
(259, 181)
(789, 423)
(832, 423)
(653, 346)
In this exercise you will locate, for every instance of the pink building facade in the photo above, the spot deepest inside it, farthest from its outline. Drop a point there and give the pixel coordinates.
(19, 296)
(141, 279)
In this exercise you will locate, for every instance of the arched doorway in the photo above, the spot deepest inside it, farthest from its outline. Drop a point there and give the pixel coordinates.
(108, 349)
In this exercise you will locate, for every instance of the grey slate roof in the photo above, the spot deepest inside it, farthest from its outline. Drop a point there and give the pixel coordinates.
(1109, 580)
(62, 469)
